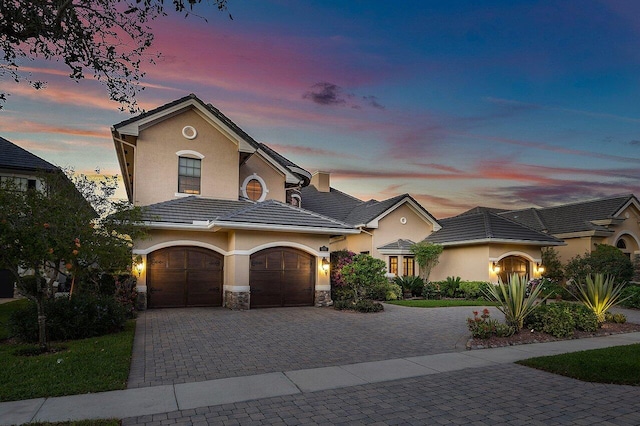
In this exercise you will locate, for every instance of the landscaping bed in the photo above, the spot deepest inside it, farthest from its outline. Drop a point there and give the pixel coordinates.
(526, 336)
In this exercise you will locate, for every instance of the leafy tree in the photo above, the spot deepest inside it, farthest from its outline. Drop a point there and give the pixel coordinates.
(364, 273)
(605, 259)
(552, 266)
(106, 38)
(56, 230)
(427, 256)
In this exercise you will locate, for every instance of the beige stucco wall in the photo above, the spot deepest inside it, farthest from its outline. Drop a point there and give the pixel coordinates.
(471, 263)
(629, 230)
(156, 162)
(390, 229)
(274, 179)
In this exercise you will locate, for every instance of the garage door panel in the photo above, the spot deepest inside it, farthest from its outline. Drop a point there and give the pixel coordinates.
(203, 289)
(167, 289)
(185, 276)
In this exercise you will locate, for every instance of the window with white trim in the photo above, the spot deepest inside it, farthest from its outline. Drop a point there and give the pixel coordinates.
(189, 172)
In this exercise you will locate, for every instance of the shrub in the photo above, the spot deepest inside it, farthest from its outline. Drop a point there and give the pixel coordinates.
(599, 294)
(605, 260)
(364, 273)
(431, 291)
(385, 291)
(427, 255)
(69, 319)
(473, 290)
(482, 326)
(126, 294)
(450, 287)
(554, 290)
(364, 305)
(553, 269)
(631, 297)
(410, 283)
(512, 301)
(561, 319)
(616, 318)
(339, 259)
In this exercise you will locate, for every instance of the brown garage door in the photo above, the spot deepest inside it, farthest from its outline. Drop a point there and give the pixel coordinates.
(282, 276)
(184, 276)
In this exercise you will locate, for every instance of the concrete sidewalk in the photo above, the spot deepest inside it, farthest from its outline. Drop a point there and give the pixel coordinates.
(185, 396)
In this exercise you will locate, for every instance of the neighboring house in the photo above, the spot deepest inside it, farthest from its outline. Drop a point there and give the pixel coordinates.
(25, 170)
(226, 227)
(480, 245)
(613, 220)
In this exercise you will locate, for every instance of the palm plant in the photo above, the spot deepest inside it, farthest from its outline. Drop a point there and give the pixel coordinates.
(599, 293)
(512, 299)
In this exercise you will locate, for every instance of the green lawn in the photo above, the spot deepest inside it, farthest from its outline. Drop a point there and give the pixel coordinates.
(91, 365)
(442, 303)
(618, 365)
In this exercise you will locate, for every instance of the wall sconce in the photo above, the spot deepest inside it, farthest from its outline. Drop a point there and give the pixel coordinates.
(539, 268)
(325, 265)
(138, 265)
(495, 268)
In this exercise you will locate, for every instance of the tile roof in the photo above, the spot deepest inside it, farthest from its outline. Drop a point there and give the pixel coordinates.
(225, 212)
(349, 209)
(574, 217)
(285, 162)
(400, 244)
(487, 226)
(15, 158)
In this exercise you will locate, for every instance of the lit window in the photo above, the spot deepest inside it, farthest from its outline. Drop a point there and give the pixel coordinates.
(189, 175)
(408, 266)
(254, 190)
(393, 265)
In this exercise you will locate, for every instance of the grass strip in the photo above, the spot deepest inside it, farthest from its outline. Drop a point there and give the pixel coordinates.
(96, 364)
(618, 365)
(442, 303)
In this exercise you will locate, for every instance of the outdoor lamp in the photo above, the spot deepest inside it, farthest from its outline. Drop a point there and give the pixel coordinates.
(540, 268)
(325, 265)
(139, 265)
(495, 268)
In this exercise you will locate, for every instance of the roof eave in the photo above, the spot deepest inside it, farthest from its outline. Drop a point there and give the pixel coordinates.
(500, 241)
(219, 225)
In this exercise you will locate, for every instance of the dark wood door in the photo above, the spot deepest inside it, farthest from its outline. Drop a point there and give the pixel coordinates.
(282, 276)
(184, 276)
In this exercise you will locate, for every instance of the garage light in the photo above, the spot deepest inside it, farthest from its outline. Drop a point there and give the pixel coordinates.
(325, 265)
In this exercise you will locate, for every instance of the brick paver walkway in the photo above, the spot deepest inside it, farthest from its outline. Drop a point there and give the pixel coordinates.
(195, 344)
(499, 395)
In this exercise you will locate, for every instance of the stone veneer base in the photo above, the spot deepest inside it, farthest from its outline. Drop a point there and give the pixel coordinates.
(237, 301)
(323, 298)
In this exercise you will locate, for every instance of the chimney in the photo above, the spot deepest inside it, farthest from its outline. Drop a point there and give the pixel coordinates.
(321, 180)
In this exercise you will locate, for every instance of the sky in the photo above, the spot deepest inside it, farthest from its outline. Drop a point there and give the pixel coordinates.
(507, 104)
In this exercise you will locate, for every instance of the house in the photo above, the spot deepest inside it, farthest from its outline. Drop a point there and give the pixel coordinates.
(481, 245)
(24, 169)
(223, 212)
(612, 220)
(478, 245)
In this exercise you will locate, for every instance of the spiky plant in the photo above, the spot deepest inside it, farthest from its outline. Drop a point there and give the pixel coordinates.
(512, 299)
(599, 294)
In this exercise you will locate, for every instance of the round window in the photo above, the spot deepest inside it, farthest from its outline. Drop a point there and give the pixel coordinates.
(254, 190)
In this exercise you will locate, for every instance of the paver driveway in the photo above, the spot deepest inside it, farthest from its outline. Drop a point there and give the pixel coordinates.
(194, 344)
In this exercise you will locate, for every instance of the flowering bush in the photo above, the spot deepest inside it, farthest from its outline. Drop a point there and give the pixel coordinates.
(339, 259)
(126, 294)
(483, 327)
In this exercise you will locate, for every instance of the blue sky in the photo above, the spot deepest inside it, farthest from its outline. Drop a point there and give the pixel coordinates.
(463, 103)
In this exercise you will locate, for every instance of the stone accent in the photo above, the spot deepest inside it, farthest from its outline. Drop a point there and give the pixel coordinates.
(636, 267)
(237, 301)
(141, 303)
(323, 298)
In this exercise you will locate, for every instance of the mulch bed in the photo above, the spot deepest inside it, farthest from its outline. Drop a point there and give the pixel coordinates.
(526, 336)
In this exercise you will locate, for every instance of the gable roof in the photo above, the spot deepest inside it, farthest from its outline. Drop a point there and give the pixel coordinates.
(206, 213)
(349, 209)
(15, 158)
(399, 246)
(586, 216)
(484, 226)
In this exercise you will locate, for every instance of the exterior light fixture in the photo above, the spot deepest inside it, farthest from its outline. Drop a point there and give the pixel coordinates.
(138, 264)
(540, 268)
(495, 268)
(325, 265)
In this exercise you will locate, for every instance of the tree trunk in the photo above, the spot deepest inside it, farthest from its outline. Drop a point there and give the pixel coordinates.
(42, 327)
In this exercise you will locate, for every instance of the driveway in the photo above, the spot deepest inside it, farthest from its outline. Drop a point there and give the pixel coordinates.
(187, 345)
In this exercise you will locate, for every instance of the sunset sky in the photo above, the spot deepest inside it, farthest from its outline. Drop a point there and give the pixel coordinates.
(459, 103)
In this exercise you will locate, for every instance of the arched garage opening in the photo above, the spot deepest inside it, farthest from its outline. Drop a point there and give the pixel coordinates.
(184, 276)
(282, 276)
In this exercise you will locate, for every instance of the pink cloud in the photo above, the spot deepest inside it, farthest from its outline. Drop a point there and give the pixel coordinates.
(13, 124)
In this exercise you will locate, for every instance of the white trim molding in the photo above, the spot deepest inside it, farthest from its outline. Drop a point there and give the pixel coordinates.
(174, 243)
(248, 179)
(515, 253)
(623, 233)
(184, 152)
(189, 132)
(272, 244)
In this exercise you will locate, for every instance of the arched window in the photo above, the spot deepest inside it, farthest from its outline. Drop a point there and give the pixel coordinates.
(621, 244)
(513, 265)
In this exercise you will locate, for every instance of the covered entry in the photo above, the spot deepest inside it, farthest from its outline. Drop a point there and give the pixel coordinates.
(184, 276)
(282, 276)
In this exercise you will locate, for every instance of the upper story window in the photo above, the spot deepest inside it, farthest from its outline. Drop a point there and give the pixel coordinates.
(189, 172)
(254, 188)
(19, 183)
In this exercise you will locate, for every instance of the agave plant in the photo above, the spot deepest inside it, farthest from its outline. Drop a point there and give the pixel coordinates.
(599, 293)
(512, 299)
